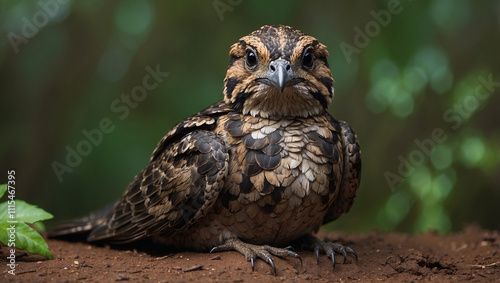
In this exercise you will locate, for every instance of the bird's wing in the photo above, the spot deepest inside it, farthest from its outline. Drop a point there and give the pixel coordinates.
(178, 186)
(351, 173)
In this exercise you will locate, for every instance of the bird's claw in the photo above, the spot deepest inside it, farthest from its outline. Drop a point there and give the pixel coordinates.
(337, 248)
(332, 255)
(330, 249)
(351, 251)
(251, 252)
(316, 252)
(295, 255)
(270, 261)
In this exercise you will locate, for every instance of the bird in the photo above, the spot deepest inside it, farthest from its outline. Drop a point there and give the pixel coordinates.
(264, 167)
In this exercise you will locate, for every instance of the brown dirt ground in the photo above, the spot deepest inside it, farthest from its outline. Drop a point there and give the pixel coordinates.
(472, 254)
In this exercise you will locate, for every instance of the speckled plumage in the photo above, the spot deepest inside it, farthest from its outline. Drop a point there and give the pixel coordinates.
(263, 166)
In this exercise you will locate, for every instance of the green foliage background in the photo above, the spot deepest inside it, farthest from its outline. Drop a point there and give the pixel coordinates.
(423, 64)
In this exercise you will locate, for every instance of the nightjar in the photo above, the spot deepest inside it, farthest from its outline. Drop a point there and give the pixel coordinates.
(265, 166)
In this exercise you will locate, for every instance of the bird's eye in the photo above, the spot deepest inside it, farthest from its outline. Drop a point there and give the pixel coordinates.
(307, 59)
(251, 60)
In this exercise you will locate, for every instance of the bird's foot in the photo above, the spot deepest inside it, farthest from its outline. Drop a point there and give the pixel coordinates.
(328, 248)
(252, 252)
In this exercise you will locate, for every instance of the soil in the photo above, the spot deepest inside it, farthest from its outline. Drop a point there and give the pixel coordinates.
(472, 254)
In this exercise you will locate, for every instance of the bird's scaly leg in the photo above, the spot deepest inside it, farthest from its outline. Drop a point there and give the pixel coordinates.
(251, 252)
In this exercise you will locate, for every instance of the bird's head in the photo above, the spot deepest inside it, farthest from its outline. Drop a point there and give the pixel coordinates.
(278, 71)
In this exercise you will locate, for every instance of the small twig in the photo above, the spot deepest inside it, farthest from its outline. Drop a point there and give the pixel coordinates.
(464, 246)
(26, 271)
(484, 266)
(192, 268)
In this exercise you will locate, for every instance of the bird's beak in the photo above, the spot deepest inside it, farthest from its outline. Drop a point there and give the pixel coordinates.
(279, 73)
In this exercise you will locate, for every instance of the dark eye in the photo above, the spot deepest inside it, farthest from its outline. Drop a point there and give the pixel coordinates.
(251, 60)
(307, 59)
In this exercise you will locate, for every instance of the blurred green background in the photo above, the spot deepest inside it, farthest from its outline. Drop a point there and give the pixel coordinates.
(419, 81)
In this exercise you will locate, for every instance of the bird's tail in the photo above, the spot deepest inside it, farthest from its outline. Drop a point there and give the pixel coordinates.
(81, 226)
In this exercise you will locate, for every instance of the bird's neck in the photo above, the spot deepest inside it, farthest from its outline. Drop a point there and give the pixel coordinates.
(277, 105)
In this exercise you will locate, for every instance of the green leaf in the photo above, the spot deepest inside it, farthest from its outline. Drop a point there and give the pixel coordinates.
(24, 212)
(29, 213)
(4, 235)
(26, 238)
(3, 189)
(3, 212)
